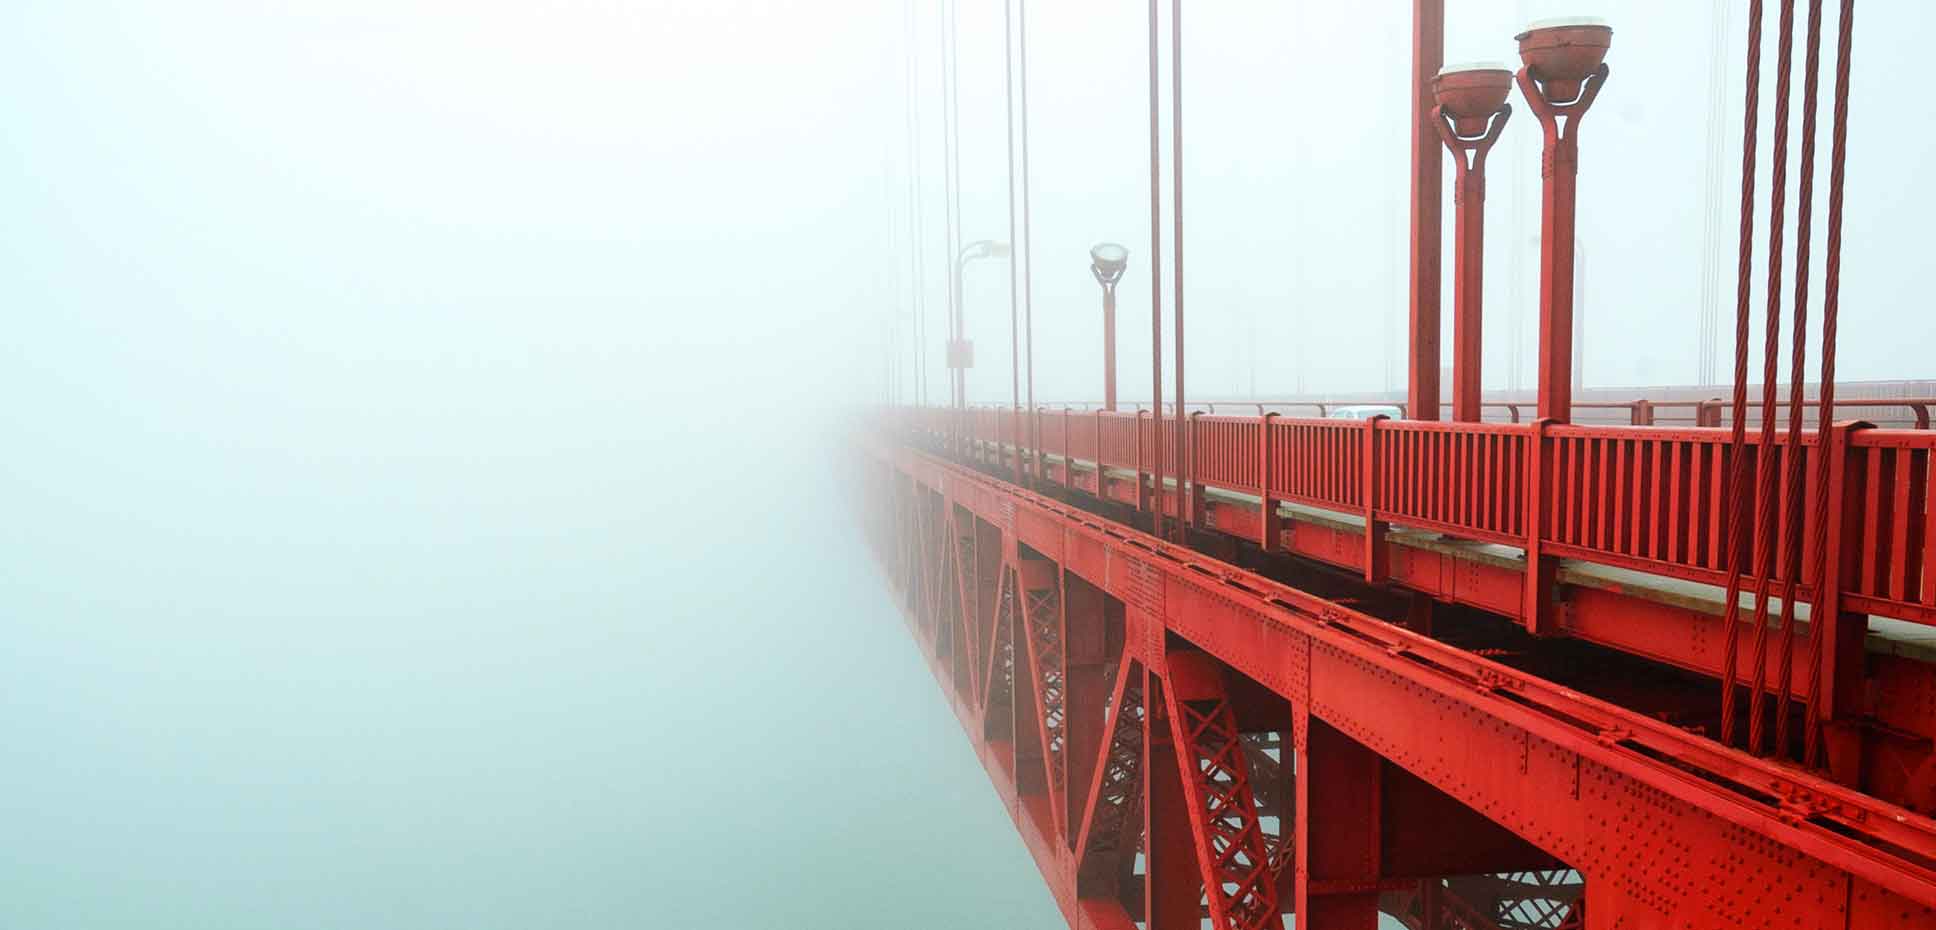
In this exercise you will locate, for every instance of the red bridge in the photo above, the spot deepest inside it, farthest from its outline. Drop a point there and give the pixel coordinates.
(1227, 663)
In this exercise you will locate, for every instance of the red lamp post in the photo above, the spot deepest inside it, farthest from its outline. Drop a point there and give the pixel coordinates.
(1563, 72)
(1471, 113)
(1107, 261)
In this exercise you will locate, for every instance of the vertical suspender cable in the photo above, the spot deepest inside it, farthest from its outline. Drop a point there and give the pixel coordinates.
(1015, 345)
(1185, 470)
(1831, 303)
(1022, 249)
(914, 200)
(1735, 504)
(1156, 285)
(1792, 500)
(957, 377)
(1766, 504)
(1710, 306)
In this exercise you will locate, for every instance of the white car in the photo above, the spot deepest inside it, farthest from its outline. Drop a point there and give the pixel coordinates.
(1364, 412)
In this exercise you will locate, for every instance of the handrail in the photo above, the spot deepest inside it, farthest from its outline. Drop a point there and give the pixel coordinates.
(1643, 497)
(1640, 411)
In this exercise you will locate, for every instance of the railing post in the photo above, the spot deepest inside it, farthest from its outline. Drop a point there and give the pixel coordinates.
(1142, 477)
(1270, 528)
(1839, 685)
(1068, 454)
(1538, 610)
(1642, 413)
(1100, 467)
(1707, 413)
(1186, 483)
(1377, 554)
(1040, 453)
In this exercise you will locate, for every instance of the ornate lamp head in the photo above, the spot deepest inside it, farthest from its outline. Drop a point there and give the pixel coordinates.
(1561, 53)
(1107, 261)
(1471, 94)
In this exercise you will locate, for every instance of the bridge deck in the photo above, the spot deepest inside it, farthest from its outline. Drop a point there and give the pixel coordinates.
(1052, 628)
(1886, 635)
(1676, 621)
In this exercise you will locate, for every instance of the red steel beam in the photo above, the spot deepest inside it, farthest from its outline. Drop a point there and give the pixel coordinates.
(1668, 828)
(1642, 498)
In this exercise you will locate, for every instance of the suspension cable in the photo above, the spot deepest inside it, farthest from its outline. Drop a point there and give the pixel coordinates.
(1736, 511)
(1831, 303)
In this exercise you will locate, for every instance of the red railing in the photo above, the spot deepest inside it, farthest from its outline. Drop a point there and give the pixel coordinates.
(1317, 462)
(1651, 499)
(1464, 478)
(1891, 567)
(1226, 453)
(1912, 412)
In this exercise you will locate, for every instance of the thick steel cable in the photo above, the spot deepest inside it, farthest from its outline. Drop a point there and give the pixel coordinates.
(952, 324)
(1831, 303)
(918, 372)
(1737, 439)
(1711, 227)
(1766, 512)
(1793, 500)
(954, 170)
(1025, 248)
(1014, 338)
(1156, 281)
(1185, 468)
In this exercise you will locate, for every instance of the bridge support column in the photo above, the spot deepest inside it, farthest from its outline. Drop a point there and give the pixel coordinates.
(1175, 886)
(1338, 828)
(1087, 615)
(987, 594)
(1233, 848)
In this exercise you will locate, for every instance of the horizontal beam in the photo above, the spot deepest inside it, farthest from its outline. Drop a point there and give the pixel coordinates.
(1626, 799)
(1643, 498)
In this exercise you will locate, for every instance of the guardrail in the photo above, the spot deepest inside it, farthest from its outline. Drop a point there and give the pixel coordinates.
(1639, 412)
(1646, 498)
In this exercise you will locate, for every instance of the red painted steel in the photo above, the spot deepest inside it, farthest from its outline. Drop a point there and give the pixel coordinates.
(1560, 172)
(1179, 740)
(1187, 658)
(1469, 149)
(1427, 221)
(1650, 499)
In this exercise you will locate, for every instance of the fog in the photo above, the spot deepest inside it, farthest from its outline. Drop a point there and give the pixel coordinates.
(421, 509)
(423, 494)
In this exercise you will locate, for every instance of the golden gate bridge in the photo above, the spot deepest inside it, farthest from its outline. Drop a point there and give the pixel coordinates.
(1661, 662)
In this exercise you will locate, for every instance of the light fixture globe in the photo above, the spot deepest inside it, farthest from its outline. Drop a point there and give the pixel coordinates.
(1562, 52)
(1107, 261)
(1471, 93)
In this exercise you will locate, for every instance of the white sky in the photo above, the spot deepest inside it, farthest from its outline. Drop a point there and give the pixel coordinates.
(1295, 174)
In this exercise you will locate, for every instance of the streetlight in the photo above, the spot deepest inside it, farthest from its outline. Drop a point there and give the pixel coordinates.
(1107, 261)
(1564, 71)
(961, 352)
(1471, 113)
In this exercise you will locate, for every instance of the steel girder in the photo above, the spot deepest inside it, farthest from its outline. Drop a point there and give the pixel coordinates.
(1668, 830)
